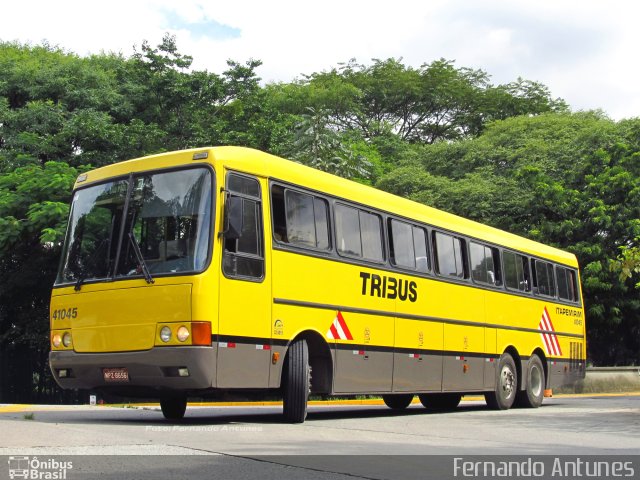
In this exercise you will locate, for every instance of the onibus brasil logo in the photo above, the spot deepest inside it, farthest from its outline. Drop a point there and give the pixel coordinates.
(33, 468)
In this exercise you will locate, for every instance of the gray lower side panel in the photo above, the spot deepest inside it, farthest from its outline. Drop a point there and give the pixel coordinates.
(363, 371)
(563, 373)
(415, 372)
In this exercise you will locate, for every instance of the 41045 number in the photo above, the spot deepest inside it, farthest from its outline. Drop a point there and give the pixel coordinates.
(64, 313)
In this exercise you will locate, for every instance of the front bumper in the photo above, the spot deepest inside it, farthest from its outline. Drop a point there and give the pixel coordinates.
(154, 369)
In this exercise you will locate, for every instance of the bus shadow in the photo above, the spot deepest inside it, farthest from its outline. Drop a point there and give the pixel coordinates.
(202, 416)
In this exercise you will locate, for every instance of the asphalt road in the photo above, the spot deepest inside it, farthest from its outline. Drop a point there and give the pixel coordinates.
(253, 442)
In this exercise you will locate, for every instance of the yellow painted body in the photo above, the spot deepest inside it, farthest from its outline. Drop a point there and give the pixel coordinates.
(302, 293)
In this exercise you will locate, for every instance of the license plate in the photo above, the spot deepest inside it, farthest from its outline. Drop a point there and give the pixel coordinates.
(115, 374)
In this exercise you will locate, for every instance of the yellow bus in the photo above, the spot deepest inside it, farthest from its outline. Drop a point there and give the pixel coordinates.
(225, 270)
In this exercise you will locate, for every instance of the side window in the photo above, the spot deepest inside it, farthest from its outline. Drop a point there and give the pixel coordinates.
(243, 251)
(358, 233)
(516, 272)
(567, 284)
(543, 281)
(408, 246)
(348, 231)
(300, 219)
(485, 264)
(423, 262)
(449, 254)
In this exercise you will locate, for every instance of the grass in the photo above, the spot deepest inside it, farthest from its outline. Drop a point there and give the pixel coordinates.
(616, 384)
(29, 416)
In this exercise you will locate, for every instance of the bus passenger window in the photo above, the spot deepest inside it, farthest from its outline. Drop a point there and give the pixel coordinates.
(485, 264)
(348, 230)
(401, 245)
(543, 278)
(243, 255)
(299, 218)
(567, 285)
(449, 252)
(408, 246)
(359, 233)
(371, 233)
(423, 262)
(516, 272)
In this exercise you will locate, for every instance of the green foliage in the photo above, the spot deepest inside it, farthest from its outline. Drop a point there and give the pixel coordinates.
(432, 103)
(627, 264)
(321, 147)
(507, 155)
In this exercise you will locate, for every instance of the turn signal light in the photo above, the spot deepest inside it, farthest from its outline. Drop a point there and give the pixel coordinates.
(201, 333)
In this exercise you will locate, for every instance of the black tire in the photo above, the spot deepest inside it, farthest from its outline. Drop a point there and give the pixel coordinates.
(398, 402)
(533, 395)
(440, 401)
(173, 408)
(297, 382)
(506, 385)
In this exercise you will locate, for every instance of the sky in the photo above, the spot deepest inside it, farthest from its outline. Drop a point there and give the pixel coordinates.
(584, 51)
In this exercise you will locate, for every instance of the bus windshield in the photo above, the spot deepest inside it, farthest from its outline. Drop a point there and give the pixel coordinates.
(166, 215)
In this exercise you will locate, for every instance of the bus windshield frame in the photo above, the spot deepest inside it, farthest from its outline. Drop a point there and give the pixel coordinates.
(150, 224)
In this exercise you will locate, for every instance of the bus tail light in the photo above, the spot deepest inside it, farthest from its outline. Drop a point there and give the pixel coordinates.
(201, 333)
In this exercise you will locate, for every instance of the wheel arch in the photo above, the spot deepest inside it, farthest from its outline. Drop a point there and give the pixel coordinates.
(320, 359)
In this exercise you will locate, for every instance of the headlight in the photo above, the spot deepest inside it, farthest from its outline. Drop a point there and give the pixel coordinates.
(56, 340)
(183, 333)
(66, 339)
(165, 334)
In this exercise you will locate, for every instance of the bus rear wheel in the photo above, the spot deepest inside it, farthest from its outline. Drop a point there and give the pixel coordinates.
(533, 395)
(440, 401)
(506, 385)
(297, 382)
(397, 402)
(173, 408)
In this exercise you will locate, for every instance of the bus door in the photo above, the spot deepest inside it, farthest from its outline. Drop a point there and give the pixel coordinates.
(244, 328)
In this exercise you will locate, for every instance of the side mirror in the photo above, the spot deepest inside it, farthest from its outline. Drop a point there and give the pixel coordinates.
(233, 218)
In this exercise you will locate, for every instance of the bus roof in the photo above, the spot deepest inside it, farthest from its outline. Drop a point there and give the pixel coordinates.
(266, 165)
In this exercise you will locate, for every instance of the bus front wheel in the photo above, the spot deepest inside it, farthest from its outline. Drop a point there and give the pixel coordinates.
(173, 408)
(297, 382)
(504, 395)
(397, 402)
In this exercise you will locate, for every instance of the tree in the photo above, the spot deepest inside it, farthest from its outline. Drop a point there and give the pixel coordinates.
(421, 105)
(321, 147)
(627, 264)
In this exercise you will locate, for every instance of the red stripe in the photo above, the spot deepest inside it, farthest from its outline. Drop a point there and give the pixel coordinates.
(544, 337)
(343, 324)
(231, 345)
(334, 331)
(554, 337)
(548, 317)
(544, 325)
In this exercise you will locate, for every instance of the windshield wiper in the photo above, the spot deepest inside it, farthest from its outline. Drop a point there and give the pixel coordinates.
(140, 258)
(80, 280)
